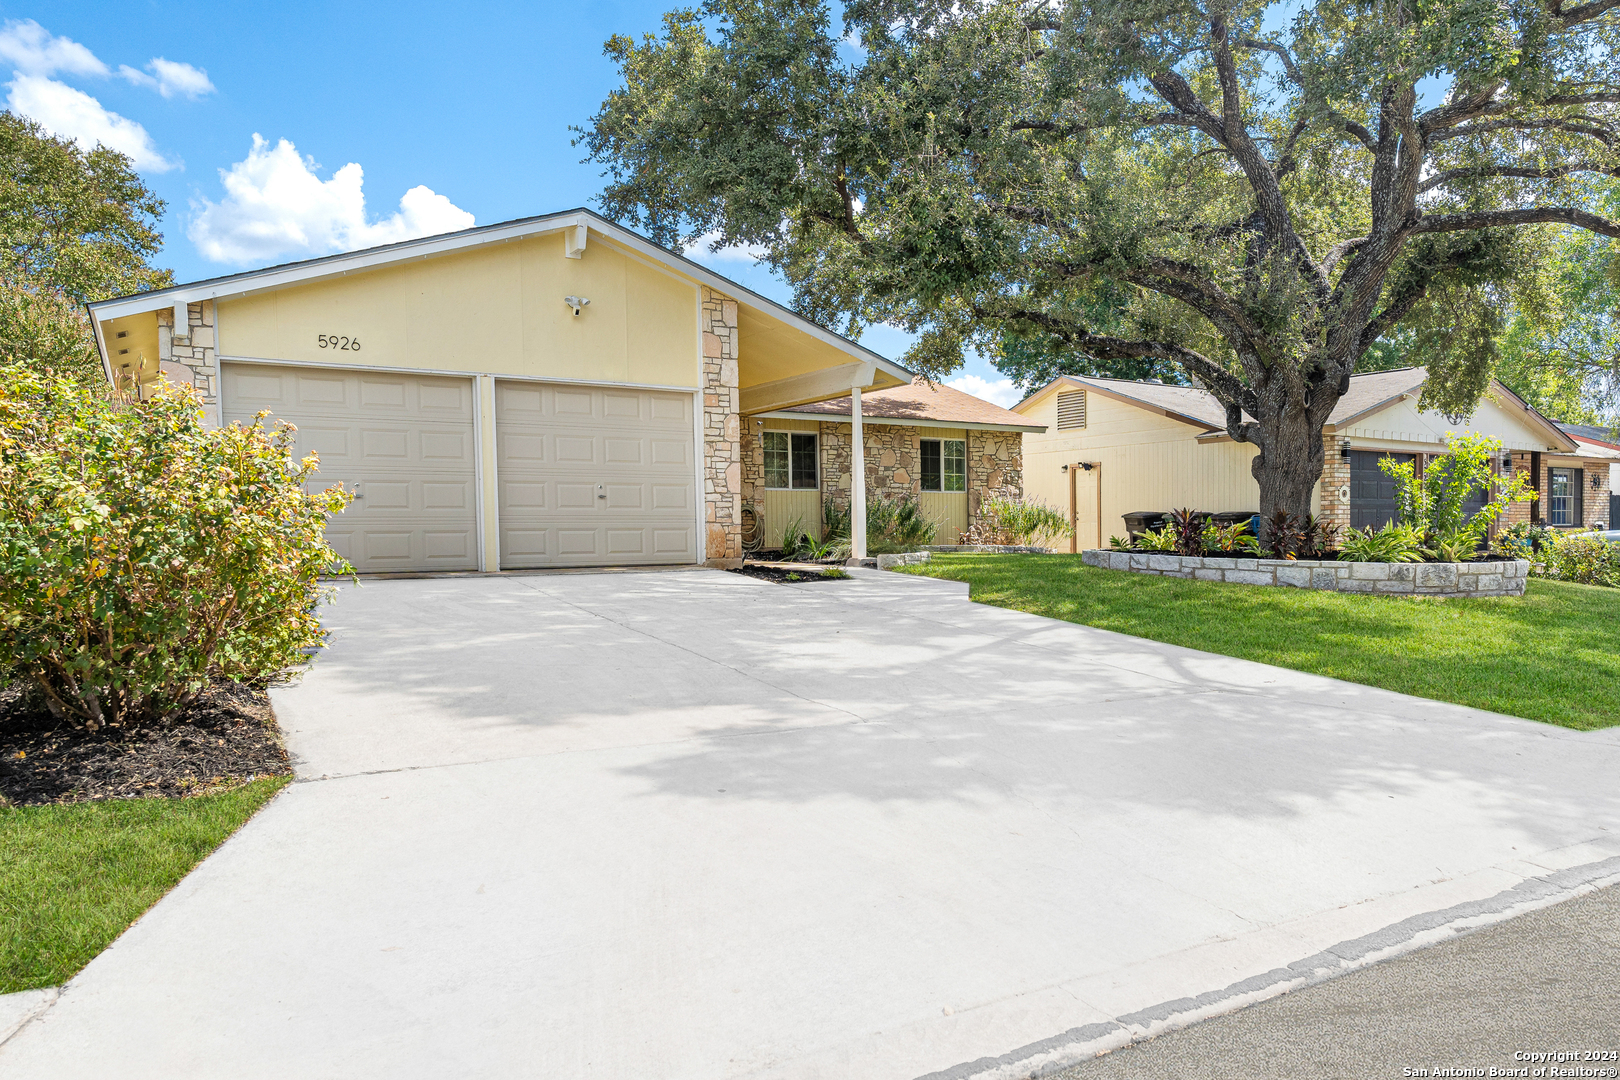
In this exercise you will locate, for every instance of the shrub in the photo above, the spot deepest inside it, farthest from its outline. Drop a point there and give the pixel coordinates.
(1434, 505)
(143, 555)
(1392, 543)
(1017, 521)
(1586, 560)
(893, 524)
(1236, 537)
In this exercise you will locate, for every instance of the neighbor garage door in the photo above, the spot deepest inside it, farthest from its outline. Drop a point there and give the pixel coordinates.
(1372, 494)
(403, 442)
(594, 477)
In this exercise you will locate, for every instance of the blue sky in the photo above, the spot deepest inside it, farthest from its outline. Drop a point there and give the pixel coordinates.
(264, 126)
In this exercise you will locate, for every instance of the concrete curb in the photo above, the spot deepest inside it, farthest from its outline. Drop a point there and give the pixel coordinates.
(1083, 1043)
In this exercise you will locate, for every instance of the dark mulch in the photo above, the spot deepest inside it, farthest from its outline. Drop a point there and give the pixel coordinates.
(227, 737)
(780, 574)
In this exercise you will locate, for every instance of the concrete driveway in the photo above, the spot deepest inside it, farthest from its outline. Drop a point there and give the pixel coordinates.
(693, 825)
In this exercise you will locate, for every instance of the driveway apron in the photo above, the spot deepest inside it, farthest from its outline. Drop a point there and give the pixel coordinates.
(695, 825)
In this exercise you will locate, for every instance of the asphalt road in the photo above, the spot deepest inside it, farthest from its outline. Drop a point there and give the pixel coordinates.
(1545, 981)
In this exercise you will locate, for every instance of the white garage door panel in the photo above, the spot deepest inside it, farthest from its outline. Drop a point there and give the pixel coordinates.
(404, 441)
(592, 477)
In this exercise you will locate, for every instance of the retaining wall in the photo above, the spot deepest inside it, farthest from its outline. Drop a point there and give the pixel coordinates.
(1505, 578)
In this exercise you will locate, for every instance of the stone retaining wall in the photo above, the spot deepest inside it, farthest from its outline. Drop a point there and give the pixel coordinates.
(1422, 579)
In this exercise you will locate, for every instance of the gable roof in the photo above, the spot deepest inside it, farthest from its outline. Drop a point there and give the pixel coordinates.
(1591, 433)
(349, 262)
(919, 400)
(1368, 393)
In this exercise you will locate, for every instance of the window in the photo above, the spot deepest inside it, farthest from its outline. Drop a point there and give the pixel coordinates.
(1561, 496)
(1071, 410)
(944, 465)
(790, 460)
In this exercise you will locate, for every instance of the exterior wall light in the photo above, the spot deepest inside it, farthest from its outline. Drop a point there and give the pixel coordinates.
(576, 302)
(1344, 449)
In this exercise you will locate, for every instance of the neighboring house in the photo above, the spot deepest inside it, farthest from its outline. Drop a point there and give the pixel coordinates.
(948, 449)
(555, 391)
(1604, 444)
(1166, 447)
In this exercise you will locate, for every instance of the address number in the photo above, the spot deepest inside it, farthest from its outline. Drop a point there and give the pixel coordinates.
(336, 341)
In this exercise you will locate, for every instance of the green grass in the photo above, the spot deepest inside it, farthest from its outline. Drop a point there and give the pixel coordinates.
(74, 877)
(1551, 655)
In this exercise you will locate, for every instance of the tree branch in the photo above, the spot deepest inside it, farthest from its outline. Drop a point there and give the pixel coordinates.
(1496, 219)
(1514, 171)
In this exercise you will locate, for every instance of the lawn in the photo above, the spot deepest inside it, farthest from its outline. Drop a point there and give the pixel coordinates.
(1551, 655)
(73, 877)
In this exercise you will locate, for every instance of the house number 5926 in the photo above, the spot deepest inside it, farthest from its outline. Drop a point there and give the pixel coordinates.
(336, 341)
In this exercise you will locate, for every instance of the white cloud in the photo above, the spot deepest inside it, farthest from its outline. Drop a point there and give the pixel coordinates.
(1002, 392)
(170, 77)
(33, 50)
(699, 251)
(275, 205)
(73, 114)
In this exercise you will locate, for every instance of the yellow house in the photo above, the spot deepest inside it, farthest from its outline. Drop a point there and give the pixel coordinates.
(1115, 446)
(554, 391)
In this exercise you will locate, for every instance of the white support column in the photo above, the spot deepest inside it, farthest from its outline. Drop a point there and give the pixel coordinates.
(857, 477)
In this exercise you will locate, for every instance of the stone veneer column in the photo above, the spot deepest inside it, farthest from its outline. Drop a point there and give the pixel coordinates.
(722, 432)
(192, 360)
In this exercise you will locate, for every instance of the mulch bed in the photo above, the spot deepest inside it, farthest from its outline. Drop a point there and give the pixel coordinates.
(781, 574)
(226, 738)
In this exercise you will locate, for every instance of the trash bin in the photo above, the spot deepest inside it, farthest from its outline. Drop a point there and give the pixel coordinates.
(1140, 521)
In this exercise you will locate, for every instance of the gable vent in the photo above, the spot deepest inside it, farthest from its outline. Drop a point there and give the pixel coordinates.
(1071, 410)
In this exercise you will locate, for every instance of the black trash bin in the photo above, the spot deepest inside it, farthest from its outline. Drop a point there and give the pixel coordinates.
(1140, 521)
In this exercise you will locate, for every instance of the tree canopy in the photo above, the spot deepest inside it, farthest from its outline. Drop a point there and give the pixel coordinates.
(75, 226)
(1253, 194)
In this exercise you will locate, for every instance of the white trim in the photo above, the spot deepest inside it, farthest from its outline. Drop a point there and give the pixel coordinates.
(699, 446)
(456, 373)
(857, 479)
(942, 440)
(505, 232)
(789, 432)
(480, 507)
(891, 421)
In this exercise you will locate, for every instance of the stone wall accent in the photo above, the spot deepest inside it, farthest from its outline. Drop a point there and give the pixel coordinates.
(893, 462)
(752, 450)
(1504, 578)
(192, 360)
(995, 468)
(722, 431)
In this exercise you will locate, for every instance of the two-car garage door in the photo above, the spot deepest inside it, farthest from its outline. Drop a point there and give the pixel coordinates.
(586, 476)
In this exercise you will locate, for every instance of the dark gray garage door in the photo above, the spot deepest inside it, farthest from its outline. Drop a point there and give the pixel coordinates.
(1372, 494)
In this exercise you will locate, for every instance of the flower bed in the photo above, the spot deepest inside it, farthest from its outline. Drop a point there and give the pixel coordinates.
(1502, 578)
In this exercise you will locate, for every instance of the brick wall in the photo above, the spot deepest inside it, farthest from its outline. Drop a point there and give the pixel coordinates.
(722, 431)
(1335, 483)
(192, 360)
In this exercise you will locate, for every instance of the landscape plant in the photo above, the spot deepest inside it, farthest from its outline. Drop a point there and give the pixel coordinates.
(1020, 522)
(1585, 560)
(1436, 504)
(144, 555)
(1394, 543)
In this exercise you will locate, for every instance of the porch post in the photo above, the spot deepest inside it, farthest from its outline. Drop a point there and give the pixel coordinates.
(857, 471)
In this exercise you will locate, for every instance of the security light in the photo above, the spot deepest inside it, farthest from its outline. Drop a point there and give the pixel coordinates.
(576, 302)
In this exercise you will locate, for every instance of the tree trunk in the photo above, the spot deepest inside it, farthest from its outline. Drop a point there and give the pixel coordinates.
(1290, 460)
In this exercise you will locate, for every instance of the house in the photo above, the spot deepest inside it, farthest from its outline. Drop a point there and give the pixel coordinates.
(1155, 447)
(1602, 444)
(939, 445)
(553, 391)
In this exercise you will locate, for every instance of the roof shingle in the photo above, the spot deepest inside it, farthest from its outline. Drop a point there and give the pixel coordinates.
(921, 401)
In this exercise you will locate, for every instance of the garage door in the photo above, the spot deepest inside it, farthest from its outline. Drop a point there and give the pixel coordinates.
(404, 442)
(1372, 494)
(594, 477)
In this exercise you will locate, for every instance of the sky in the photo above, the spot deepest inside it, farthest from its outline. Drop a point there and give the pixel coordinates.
(284, 131)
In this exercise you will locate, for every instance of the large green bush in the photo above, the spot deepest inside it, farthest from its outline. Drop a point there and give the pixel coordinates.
(143, 555)
(1586, 560)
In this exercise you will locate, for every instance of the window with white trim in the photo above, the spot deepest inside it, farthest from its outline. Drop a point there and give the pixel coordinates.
(944, 465)
(1071, 410)
(1563, 495)
(790, 460)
